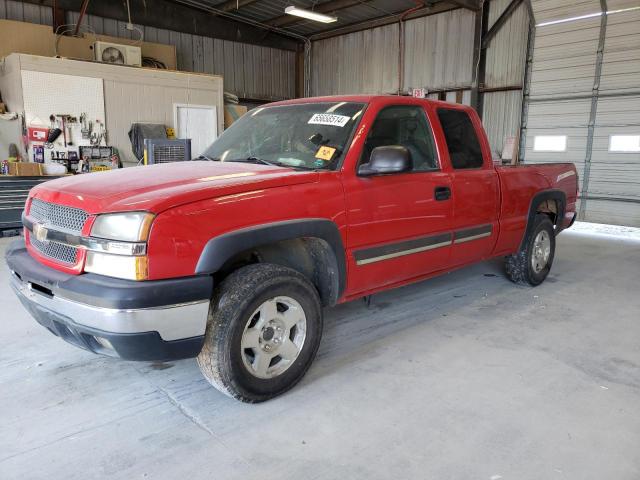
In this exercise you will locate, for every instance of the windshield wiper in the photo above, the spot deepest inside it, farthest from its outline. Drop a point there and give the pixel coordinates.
(253, 159)
(205, 157)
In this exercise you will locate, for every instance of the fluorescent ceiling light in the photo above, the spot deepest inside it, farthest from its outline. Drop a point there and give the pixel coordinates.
(318, 17)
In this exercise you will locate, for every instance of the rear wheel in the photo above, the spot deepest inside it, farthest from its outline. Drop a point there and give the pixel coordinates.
(265, 324)
(532, 263)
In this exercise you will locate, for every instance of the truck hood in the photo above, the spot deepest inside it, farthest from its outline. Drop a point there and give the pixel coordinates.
(156, 188)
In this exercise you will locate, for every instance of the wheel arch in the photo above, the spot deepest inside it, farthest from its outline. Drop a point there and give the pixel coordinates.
(312, 247)
(546, 202)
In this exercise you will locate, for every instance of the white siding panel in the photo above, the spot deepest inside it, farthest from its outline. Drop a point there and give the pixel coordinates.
(564, 58)
(621, 62)
(615, 174)
(613, 212)
(550, 10)
(564, 65)
(621, 4)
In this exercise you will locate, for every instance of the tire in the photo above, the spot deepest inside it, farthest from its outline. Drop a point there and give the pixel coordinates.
(532, 263)
(248, 310)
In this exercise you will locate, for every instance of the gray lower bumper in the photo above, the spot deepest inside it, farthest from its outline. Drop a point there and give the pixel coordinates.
(172, 322)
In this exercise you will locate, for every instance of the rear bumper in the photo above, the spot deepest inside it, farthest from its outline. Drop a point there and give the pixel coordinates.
(155, 320)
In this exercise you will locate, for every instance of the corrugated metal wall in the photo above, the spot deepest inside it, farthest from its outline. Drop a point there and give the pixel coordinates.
(563, 83)
(438, 56)
(505, 64)
(25, 12)
(367, 62)
(249, 71)
(438, 52)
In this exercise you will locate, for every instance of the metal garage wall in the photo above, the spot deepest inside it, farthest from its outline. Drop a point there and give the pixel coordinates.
(589, 95)
(249, 71)
(25, 12)
(367, 63)
(505, 64)
(439, 51)
(614, 183)
(438, 56)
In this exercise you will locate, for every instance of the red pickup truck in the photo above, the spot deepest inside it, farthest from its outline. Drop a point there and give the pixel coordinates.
(299, 205)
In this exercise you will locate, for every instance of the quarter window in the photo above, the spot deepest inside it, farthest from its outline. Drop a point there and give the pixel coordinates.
(404, 125)
(462, 141)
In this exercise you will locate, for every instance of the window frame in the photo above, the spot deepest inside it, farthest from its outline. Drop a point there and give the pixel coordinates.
(429, 124)
(446, 144)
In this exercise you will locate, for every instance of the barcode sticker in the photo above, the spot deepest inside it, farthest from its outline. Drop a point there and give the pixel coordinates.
(329, 119)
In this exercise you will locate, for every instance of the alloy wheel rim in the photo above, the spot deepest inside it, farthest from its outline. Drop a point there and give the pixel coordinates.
(273, 337)
(541, 251)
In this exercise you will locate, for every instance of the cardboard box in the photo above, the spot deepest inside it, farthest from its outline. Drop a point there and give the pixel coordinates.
(23, 37)
(25, 169)
(233, 113)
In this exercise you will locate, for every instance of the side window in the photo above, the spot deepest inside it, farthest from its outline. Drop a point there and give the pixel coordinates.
(404, 125)
(462, 141)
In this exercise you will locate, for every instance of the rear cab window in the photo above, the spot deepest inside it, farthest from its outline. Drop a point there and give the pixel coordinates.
(462, 139)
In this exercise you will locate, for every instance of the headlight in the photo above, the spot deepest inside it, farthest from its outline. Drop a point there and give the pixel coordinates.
(119, 266)
(117, 246)
(127, 227)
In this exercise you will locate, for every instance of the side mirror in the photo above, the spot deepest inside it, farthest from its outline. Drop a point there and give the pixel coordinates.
(385, 160)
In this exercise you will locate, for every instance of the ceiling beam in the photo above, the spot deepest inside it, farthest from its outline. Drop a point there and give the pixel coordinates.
(327, 7)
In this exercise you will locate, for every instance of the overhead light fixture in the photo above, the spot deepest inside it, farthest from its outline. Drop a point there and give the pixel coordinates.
(310, 15)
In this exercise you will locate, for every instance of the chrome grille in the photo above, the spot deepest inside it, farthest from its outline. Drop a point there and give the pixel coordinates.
(53, 215)
(56, 251)
(57, 217)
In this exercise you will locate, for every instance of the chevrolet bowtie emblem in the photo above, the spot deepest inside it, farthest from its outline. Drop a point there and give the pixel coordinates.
(40, 232)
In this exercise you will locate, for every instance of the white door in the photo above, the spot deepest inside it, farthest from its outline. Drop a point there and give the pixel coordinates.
(197, 122)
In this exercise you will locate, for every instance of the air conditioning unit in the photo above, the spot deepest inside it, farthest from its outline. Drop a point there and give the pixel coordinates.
(117, 53)
(162, 150)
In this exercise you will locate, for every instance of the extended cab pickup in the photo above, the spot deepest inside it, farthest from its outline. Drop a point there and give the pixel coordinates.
(299, 205)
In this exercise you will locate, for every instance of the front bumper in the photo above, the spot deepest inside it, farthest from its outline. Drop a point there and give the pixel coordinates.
(153, 320)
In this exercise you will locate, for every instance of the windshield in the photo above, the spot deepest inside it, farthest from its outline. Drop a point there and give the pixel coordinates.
(305, 135)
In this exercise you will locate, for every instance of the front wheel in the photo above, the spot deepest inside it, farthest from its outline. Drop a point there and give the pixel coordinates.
(532, 263)
(264, 328)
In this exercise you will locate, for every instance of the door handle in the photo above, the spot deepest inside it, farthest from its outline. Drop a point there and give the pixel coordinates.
(442, 193)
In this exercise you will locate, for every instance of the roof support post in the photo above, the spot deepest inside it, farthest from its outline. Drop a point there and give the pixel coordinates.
(593, 112)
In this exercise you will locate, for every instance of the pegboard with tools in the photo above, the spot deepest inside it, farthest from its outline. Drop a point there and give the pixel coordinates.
(62, 114)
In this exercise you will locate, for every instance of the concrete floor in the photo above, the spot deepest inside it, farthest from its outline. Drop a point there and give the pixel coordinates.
(461, 377)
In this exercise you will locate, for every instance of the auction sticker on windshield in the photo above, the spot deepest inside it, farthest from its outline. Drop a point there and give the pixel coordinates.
(329, 119)
(325, 153)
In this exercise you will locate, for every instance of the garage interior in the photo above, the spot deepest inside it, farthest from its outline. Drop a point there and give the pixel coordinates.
(461, 376)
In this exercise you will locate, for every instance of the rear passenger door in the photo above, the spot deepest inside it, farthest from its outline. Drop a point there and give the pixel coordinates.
(475, 188)
(398, 226)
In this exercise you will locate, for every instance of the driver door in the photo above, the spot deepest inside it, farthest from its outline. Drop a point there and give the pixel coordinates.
(399, 225)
